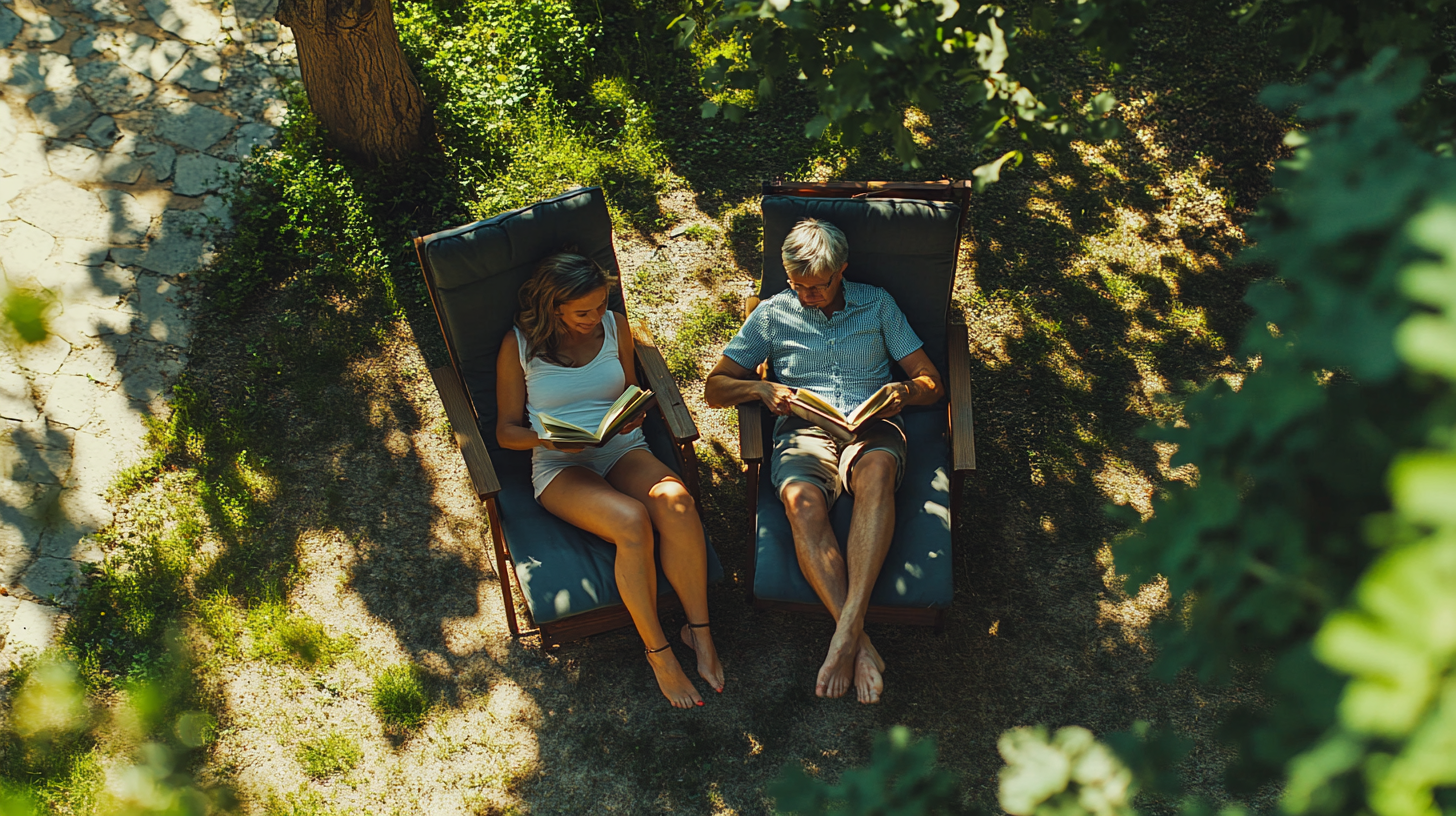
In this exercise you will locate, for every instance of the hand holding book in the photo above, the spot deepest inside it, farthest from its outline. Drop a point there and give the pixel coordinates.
(628, 408)
(812, 408)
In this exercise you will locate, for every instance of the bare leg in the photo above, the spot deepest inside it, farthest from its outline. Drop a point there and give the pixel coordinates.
(585, 500)
(844, 584)
(824, 567)
(684, 553)
(870, 533)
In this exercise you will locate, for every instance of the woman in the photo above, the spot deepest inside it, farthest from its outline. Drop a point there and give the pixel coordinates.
(571, 357)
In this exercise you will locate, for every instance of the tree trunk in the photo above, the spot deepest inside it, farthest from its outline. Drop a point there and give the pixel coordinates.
(358, 83)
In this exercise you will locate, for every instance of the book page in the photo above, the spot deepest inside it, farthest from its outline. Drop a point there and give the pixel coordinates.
(871, 406)
(617, 408)
(818, 403)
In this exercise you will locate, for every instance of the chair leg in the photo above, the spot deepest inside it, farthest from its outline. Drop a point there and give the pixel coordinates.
(502, 568)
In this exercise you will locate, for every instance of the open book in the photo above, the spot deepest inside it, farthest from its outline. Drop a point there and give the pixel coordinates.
(812, 408)
(633, 402)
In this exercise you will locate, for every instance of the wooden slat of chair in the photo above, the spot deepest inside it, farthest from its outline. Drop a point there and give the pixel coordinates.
(466, 428)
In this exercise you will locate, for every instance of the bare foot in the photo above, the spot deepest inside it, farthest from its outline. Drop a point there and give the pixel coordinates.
(838, 669)
(675, 685)
(700, 640)
(868, 682)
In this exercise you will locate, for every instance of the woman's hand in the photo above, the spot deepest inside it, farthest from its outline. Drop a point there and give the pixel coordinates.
(563, 447)
(634, 424)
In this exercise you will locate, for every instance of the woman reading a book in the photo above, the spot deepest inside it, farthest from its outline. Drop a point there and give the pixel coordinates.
(569, 359)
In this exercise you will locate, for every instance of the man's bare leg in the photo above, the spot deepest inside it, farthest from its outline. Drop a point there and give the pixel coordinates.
(823, 566)
(844, 588)
(870, 532)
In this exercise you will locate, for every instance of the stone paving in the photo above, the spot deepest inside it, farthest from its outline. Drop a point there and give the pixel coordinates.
(118, 122)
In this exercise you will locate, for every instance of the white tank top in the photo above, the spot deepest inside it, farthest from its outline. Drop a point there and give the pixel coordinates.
(579, 395)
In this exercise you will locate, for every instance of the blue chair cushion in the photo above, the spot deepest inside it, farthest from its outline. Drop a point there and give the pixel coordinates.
(917, 571)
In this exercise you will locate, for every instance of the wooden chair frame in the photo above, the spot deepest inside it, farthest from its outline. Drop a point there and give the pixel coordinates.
(958, 388)
(464, 422)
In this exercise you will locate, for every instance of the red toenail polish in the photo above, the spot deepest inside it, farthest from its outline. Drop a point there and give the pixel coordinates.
(700, 702)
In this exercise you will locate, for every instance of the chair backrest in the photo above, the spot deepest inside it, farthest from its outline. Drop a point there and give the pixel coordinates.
(474, 272)
(906, 246)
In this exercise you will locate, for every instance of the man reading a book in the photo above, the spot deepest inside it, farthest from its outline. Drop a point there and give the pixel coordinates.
(833, 339)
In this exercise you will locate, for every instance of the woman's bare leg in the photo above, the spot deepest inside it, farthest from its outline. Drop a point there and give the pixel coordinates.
(586, 500)
(644, 477)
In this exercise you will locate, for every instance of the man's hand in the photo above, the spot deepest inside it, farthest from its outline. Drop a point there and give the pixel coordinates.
(776, 396)
(900, 395)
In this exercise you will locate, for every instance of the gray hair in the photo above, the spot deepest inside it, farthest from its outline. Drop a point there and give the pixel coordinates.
(815, 249)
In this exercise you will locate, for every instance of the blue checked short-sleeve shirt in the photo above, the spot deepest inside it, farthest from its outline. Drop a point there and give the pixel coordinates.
(843, 359)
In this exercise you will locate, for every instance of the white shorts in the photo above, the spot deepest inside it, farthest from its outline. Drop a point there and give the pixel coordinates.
(546, 464)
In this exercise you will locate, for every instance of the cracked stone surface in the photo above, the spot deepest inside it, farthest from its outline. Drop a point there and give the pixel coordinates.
(118, 121)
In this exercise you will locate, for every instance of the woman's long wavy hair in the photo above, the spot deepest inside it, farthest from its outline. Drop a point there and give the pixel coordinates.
(562, 277)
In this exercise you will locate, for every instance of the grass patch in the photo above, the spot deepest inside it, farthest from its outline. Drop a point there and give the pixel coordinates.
(280, 636)
(652, 284)
(302, 802)
(329, 755)
(400, 698)
(706, 326)
(702, 232)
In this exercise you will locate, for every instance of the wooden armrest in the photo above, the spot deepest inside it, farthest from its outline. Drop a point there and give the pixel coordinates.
(669, 399)
(467, 432)
(750, 431)
(962, 421)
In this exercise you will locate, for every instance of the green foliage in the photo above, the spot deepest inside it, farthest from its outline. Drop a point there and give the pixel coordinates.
(867, 62)
(26, 314)
(1068, 773)
(400, 698)
(329, 755)
(1320, 533)
(120, 627)
(519, 118)
(550, 156)
(900, 780)
(482, 64)
(56, 739)
(302, 222)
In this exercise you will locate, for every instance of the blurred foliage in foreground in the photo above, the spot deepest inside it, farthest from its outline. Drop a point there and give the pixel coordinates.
(130, 758)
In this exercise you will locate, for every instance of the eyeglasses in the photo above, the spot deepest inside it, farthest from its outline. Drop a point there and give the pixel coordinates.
(821, 289)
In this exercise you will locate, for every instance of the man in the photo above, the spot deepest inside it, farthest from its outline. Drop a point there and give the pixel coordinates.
(835, 338)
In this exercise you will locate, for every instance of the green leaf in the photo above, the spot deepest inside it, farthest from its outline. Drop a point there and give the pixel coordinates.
(26, 313)
(710, 109)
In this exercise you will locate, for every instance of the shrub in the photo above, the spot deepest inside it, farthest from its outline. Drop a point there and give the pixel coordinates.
(302, 221)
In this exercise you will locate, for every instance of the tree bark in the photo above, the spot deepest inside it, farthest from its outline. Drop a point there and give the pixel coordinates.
(358, 84)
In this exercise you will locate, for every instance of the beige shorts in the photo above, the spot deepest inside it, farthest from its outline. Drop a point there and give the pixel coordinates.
(804, 452)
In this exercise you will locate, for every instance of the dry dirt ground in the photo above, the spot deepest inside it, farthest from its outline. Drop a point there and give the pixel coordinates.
(390, 552)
